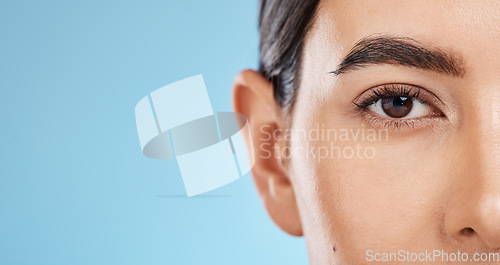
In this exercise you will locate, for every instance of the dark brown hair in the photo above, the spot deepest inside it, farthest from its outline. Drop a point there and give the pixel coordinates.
(283, 25)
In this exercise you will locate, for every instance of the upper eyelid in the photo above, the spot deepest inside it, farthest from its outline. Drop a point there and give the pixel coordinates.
(420, 90)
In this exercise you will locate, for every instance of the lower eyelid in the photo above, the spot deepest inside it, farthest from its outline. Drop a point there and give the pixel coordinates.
(394, 123)
(401, 124)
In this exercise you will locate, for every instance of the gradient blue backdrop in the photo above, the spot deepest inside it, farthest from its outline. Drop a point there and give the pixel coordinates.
(74, 186)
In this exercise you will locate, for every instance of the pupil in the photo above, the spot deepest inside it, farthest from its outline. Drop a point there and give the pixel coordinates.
(399, 101)
(397, 107)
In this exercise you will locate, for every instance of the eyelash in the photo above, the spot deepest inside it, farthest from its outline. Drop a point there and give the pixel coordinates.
(372, 95)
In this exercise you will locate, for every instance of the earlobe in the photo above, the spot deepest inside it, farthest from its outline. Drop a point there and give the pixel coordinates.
(253, 96)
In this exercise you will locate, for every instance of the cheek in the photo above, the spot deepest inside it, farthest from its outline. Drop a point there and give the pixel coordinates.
(357, 200)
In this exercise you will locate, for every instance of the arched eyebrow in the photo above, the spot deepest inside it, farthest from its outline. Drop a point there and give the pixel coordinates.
(401, 51)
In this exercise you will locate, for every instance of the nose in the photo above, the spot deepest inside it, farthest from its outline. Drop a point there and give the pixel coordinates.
(486, 220)
(473, 213)
(476, 216)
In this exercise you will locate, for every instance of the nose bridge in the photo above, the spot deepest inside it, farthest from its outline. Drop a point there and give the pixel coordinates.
(477, 199)
(485, 150)
(495, 124)
(488, 133)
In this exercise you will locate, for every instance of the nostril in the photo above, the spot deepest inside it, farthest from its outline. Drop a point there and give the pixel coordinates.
(468, 231)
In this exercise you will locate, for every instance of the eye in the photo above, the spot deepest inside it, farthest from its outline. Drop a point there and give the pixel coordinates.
(399, 107)
(398, 104)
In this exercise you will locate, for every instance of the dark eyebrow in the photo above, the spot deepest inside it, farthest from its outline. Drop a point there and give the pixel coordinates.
(402, 51)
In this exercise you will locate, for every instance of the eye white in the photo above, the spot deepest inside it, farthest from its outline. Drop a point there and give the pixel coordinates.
(418, 110)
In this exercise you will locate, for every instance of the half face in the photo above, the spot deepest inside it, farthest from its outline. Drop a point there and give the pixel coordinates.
(401, 102)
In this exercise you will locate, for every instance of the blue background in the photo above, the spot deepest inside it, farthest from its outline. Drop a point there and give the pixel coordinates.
(74, 186)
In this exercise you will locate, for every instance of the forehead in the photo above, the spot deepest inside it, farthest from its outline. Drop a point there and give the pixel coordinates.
(426, 18)
(471, 29)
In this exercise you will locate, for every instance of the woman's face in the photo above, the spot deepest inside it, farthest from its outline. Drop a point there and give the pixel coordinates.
(395, 140)
(429, 177)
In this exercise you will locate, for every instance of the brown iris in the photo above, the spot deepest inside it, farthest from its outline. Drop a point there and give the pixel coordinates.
(397, 107)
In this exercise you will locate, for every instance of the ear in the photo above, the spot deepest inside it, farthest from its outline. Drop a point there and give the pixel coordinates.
(253, 96)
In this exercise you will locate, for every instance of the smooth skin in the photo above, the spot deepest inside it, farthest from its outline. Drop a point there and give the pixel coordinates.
(431, 185)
